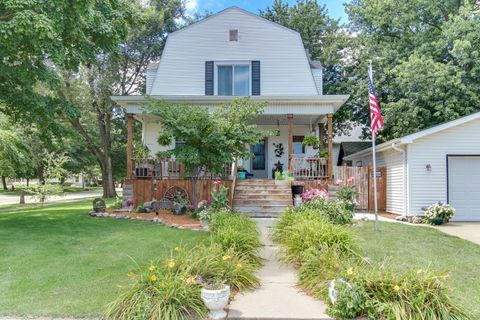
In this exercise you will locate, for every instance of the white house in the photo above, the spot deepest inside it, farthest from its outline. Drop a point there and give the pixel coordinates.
(236, 53)
(441, 163)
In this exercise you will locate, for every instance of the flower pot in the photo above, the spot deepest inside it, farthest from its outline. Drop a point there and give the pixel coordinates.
(215, 301)
(297, 190)
(179, 209)
(350, 207)
(241, 175)
(282, 182)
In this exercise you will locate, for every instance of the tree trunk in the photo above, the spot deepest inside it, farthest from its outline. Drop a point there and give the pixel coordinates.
(107, 179)
(4, 182)
(62, 181)
(22, 198)
(28, 182)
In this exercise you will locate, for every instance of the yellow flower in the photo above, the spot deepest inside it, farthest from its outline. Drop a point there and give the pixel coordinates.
(171, 264)
(153, 278)
(130, 274)
(178, 249)
(396, 288)
(239, 265)
(152, 268)
(226, 258)
(350, 271)
(190, 280)
(419, 271)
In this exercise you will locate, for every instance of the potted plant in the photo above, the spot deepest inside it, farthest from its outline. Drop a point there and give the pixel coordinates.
(311, 141)
(205, 216)
(439, 213)
(297, 187)
(180, 205)
(346, 194)
(282, 177)
(215, 295)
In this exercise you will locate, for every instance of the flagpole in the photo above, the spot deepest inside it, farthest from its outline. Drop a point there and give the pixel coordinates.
(374, 163)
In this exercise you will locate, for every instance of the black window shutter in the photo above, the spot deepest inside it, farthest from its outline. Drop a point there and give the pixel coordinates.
(209, 78)
(255, 78)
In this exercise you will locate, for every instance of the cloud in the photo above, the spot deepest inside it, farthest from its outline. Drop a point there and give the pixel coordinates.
(191, 5)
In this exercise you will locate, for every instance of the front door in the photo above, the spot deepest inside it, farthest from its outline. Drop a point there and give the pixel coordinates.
(259, 160)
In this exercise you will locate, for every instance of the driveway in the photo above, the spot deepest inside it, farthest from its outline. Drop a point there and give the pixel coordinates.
(465, 230)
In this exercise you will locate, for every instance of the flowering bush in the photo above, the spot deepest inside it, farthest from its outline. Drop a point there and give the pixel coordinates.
(314, 193)
(440, 211)
(346, 194)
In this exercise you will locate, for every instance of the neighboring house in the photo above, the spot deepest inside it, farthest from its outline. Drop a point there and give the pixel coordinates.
(349, 143)
(441, 163)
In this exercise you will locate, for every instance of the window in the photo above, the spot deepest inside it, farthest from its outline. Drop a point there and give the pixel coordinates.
(233, 35)
(298, 147)
(233, 80)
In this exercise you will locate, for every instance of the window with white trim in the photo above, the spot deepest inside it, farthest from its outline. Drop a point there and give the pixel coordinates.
(233, 80)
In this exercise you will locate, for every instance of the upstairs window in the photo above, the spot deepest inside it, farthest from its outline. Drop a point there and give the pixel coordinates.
(233, 35)
(233, 80)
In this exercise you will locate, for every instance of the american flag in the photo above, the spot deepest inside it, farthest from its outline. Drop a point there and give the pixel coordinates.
(375, 114)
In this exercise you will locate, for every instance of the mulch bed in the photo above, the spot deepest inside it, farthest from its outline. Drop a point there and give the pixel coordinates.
(164, 217)
(388, 215)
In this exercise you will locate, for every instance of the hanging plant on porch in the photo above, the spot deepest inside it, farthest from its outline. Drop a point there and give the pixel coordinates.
(311, 141)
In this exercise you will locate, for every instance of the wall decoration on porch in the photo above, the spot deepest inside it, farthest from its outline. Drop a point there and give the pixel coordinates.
(279, 150)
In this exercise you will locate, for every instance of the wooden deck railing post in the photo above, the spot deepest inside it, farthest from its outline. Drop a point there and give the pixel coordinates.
(321, 135)
(330, 145)
(129, 145)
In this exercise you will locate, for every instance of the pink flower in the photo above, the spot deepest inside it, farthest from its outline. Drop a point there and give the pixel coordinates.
(351, 180)
(217, 182)
(314, 193)
(339, 181)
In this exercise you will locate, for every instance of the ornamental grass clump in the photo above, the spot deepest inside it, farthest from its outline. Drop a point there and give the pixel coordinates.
(169, 289)
(307, 233)
(380, 293)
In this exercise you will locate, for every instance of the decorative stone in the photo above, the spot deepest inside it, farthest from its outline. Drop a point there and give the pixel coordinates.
(401, 218)
(416, 219)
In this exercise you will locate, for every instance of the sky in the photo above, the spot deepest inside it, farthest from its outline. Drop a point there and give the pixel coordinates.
(335, 7)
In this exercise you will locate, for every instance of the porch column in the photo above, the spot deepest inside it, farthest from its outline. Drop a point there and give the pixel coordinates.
(290, 138)
(330, 145)
(321, 135)
(129, 145)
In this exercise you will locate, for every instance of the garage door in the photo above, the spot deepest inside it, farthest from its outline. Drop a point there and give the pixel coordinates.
(464, 187)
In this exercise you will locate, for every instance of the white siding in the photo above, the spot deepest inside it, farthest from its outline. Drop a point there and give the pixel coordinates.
(285, 69)
(151, 73)
(396, 193)
(318, 78)
(427, 187)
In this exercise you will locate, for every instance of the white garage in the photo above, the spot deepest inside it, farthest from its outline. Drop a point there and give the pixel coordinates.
(439, 164)
(464, 186)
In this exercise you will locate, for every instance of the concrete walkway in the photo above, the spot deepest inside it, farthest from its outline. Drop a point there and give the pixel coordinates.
(13, 199)
(278, 297)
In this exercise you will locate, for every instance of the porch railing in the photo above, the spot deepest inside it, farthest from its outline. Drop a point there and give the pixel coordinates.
(308, 168)
(171, 169)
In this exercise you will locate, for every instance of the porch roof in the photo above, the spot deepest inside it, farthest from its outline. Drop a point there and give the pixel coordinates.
(316, 105)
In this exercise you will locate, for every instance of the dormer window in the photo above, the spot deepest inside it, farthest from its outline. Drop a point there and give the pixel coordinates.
(233, 80)
(233, 35)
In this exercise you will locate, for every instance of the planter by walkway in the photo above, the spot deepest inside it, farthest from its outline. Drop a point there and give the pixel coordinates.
(216, 301)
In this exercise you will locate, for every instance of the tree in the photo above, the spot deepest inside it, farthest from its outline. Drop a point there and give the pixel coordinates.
(87, 93)
(210, 139)
(15, 156)
(325, 38)
(38, 37)
(424, 55)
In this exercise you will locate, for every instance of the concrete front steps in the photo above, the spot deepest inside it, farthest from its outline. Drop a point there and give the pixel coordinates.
(261, 197)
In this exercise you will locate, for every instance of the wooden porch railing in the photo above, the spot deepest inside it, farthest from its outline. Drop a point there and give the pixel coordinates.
(234, 180)
(308, 168)
(171, 169)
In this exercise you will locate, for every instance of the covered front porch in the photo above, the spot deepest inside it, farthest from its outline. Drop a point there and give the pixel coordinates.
(290, 118)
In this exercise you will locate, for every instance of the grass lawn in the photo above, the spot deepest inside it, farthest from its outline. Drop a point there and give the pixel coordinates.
(60, 262)
(419, 247)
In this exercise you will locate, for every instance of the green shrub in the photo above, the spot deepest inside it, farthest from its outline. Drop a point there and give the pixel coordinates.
(314, 233)
(334, 211)
(390, 295)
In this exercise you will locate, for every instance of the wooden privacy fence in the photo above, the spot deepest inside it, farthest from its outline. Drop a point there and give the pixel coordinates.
(364, 183)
